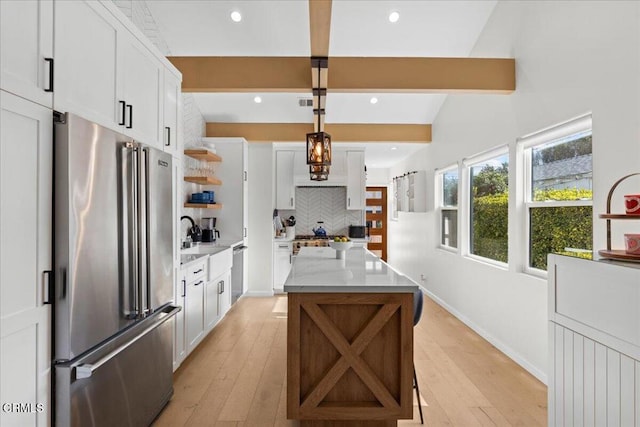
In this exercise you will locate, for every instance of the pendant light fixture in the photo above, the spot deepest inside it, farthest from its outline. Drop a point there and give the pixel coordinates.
(319, 173)
(319, 143)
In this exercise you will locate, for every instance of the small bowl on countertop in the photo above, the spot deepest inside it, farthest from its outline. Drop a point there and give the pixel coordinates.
(340, 248)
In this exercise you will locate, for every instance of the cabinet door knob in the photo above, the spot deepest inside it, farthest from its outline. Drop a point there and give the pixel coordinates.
(168, 136)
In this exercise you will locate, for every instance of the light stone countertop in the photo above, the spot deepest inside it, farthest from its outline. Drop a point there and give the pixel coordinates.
(316, 269)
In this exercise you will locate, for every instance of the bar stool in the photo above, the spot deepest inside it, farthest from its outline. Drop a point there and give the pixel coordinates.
(418, 302)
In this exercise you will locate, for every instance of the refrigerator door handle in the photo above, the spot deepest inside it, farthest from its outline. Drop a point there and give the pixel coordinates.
(147, 264)
(136, 237)
(87, 369)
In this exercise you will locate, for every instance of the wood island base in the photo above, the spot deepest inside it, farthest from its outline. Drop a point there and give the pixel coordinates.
(349, 358)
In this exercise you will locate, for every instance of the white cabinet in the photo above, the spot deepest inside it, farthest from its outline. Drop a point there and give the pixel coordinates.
(179, 342)
(224, 293)
(282, 261)
(105, 74)
(356, 180)
(416, 192)
(410, 193)
(194, 304)
(26, 159)
(172, 105)
(218, 293)
(594, 342)
(26, 49)
(140, 77)
(285, 187)
(232, 219)
(211, 306)
(86, 46)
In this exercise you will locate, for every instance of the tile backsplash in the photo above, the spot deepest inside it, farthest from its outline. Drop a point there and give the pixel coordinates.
(326, 204)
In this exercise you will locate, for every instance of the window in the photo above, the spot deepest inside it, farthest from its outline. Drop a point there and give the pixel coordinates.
(448, 182)
(489, 206)
(558, 192)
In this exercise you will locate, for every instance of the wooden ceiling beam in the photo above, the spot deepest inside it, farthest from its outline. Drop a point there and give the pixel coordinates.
(320, 26)
(340, 132)
(243, 74)
(291, 74)
(411, 75)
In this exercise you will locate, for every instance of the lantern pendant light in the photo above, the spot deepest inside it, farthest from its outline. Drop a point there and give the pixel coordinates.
(319, 173)
(319, 143)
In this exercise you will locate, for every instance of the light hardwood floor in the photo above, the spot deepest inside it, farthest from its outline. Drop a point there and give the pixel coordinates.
(236, 377)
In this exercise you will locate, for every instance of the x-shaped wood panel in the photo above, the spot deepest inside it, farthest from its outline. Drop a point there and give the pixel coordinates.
(312, 403)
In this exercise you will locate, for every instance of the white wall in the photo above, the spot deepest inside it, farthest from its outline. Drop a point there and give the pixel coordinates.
(261, 185)
(571, 58)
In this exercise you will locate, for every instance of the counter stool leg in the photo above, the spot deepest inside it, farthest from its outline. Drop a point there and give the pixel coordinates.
(415, 385)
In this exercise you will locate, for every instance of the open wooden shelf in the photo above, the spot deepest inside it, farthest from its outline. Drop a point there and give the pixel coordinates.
(203, 205)
(203, 154)
(619, 216)
(619, 254)
(203, 180)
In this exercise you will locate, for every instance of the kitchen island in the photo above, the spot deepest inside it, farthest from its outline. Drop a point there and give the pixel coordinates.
(349, 340)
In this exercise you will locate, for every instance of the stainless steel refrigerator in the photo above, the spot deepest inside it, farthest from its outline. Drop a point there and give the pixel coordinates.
(113, 327)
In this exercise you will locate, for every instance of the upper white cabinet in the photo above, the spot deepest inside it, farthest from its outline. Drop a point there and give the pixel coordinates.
(104, 73)
(26, 49)
(140, 80)
(410, 193)
(285, 187)
(86, 46)
(356, 180)
(172, 114)
(26, 160)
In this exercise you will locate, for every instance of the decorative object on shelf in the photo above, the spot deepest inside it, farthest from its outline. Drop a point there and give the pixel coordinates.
(632, 244)
(199, 169)
(319, 173)
(319, 142)
(632, 204)
(619, 254)
(206, 197)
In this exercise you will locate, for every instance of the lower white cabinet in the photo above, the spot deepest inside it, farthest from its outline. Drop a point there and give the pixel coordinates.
(594, 342)
(26, 161)
(204, 293)
(196, 277)
(282, 261)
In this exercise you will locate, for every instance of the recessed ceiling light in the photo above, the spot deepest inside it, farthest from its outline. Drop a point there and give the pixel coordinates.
(394, 148)
(394, 16)
(237, 17)
(257, 100)
(373, 100)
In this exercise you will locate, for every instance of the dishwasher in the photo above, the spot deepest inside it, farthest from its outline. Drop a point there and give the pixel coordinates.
(237, 273)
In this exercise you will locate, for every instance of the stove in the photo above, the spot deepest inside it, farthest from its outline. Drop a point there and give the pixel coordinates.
(309, 240)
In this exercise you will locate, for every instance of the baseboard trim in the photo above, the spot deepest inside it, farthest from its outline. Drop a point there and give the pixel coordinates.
(513, 355)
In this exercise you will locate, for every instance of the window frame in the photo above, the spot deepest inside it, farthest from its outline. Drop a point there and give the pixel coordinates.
(465, 177)
(525, 147)
(442, 207)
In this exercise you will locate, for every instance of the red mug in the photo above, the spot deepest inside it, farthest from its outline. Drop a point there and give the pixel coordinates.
(632, 204)
(632, 244)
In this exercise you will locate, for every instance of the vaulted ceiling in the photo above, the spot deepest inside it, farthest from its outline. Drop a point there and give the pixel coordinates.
(409, 66)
